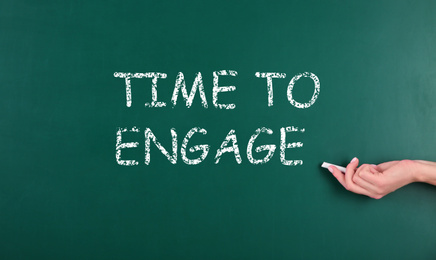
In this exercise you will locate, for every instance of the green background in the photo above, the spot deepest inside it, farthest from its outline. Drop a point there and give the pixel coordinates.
(63, 196)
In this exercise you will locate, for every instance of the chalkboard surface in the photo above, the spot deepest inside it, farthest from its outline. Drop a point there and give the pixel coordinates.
(83, 178)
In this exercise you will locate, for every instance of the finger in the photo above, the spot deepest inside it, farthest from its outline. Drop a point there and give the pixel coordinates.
(371, 175)
(365, 169)
(349, 184)
(364, 184)
(353, 188)
(349, 172)
(337, 174)
(376, 167)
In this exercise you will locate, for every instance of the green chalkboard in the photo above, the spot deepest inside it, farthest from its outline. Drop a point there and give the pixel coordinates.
(82, 178)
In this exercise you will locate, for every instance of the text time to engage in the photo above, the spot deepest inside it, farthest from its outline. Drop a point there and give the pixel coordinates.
(230, 142)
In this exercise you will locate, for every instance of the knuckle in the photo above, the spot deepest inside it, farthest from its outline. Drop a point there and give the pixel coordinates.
(377, 182)
(364, 166)
(382, 191)
(381, 186)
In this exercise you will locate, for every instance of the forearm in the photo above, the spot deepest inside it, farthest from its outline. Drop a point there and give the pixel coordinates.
(425, 171)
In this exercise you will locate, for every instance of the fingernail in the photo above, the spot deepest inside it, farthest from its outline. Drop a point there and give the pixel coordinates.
(331, 169)
(354, 159)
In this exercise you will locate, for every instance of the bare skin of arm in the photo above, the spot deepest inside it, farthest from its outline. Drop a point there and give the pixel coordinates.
(376, 181)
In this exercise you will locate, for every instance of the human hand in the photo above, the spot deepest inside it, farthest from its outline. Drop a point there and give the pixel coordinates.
(375, 181)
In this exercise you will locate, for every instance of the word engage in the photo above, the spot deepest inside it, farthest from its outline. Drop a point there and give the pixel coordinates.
(229, 145)
(224, 148)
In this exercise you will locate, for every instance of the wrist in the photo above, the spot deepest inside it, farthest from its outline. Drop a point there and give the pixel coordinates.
(414, 168)
(418, 172)
(424, 171)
